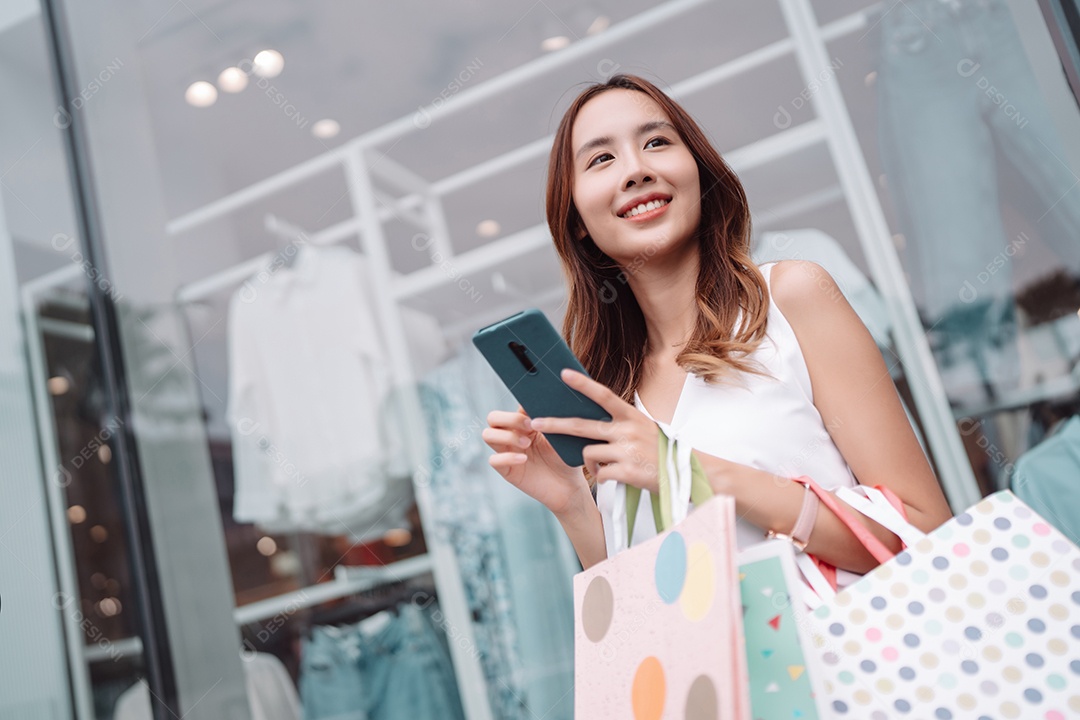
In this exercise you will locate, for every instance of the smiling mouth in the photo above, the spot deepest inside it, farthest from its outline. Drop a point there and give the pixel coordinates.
(644, 208)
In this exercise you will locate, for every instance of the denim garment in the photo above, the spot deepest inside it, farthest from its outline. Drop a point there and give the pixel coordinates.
(954, 85)
(406, 671)
(331, 684)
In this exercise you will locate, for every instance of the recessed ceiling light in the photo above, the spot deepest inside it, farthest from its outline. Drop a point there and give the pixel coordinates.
(201, 94)
(326, 128)
(76, 514)
(269, 63)
(599, 25)
(232, 80)
(58, 385)
(266, 546)
(555, 42)
(487, 228)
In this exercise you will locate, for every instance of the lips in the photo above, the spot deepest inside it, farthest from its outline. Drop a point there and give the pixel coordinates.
(643, 200)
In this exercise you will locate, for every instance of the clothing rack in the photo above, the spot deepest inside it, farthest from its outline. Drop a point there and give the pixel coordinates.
(347, 581)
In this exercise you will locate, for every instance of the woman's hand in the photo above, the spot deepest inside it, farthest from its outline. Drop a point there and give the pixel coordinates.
(526, 459)
(629, 441)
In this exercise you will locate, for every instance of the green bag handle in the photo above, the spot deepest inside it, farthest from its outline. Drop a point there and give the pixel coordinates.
(700, 490)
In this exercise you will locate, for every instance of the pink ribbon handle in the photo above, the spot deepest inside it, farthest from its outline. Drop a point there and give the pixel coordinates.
(862, 533)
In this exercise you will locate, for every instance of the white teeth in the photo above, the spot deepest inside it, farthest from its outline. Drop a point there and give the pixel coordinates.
(645, 207)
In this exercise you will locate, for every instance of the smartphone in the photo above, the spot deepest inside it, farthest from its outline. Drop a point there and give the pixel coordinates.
(528, 355)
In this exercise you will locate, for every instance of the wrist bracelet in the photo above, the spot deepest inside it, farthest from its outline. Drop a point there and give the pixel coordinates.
(804, 524)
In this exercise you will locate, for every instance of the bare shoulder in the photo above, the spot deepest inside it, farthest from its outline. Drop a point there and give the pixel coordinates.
(795, 284)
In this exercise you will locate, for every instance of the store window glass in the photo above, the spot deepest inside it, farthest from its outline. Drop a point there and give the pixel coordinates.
(970, 132)
(71, 598)
(307, 209)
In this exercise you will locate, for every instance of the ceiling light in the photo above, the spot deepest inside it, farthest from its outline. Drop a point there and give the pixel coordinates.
(201, 94)
(76, 514)
(555, 42)
(599, 25)
(487, 228)
(326, 128)
(232, 80)
(266, 546)
(269, 63)
(59, 385)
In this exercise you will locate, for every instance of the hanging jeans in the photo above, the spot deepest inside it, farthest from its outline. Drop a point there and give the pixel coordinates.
(954, 83)
(955, 90)
(402, 671)
(407, 672)
(331, 684)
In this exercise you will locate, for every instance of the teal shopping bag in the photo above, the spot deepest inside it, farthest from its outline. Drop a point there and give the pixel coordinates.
(782, 683)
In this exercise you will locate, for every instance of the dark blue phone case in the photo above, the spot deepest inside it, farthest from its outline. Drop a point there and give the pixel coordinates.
(528, 354)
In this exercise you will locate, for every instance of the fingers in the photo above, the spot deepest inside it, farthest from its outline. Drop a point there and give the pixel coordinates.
(504, 440)
(598, 455)
(597, 392)
(580, 427)
(518, 421)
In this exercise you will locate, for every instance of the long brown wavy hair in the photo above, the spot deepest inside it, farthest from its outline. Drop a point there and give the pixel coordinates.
(604, 324)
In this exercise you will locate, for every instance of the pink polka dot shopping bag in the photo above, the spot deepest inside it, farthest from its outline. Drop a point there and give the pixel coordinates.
(659, 626)
(977, 620)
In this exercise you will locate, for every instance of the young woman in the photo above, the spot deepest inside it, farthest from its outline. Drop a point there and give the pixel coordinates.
(766, 372)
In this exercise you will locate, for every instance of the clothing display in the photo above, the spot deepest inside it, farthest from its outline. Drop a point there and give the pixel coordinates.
(768, 423)
(508, 549)
(955, 92)
(392, 666)
(1047, 477)
(270, 693)
(319, 442)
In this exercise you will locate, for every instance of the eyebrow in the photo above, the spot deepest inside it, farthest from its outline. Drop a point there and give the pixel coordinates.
(606, 140)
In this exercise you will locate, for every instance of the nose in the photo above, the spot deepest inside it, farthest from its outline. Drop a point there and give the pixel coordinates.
(637, 173)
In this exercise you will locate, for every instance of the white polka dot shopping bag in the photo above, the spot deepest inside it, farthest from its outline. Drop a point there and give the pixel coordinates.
(978, 620)
(659, 626)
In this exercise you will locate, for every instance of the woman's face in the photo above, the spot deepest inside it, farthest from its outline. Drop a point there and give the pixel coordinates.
(636, 184)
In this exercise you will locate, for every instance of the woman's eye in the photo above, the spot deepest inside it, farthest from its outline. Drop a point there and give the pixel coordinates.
(660, 140)
(599, 158)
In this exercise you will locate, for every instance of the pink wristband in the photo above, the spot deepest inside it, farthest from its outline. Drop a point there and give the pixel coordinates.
(804, 525)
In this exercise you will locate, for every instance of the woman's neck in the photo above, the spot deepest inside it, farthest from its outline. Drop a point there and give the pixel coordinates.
(667, 295)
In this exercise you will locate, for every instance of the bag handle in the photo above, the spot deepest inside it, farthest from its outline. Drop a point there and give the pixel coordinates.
(862, 533)
(672, 461)
(874, 503)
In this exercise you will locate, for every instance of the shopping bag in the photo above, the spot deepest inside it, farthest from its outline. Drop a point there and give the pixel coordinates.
(658, 632)
(979, 618)
(784, 679)
(658, 629)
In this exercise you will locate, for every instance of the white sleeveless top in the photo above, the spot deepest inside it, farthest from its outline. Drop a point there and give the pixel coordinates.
(770, 423)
